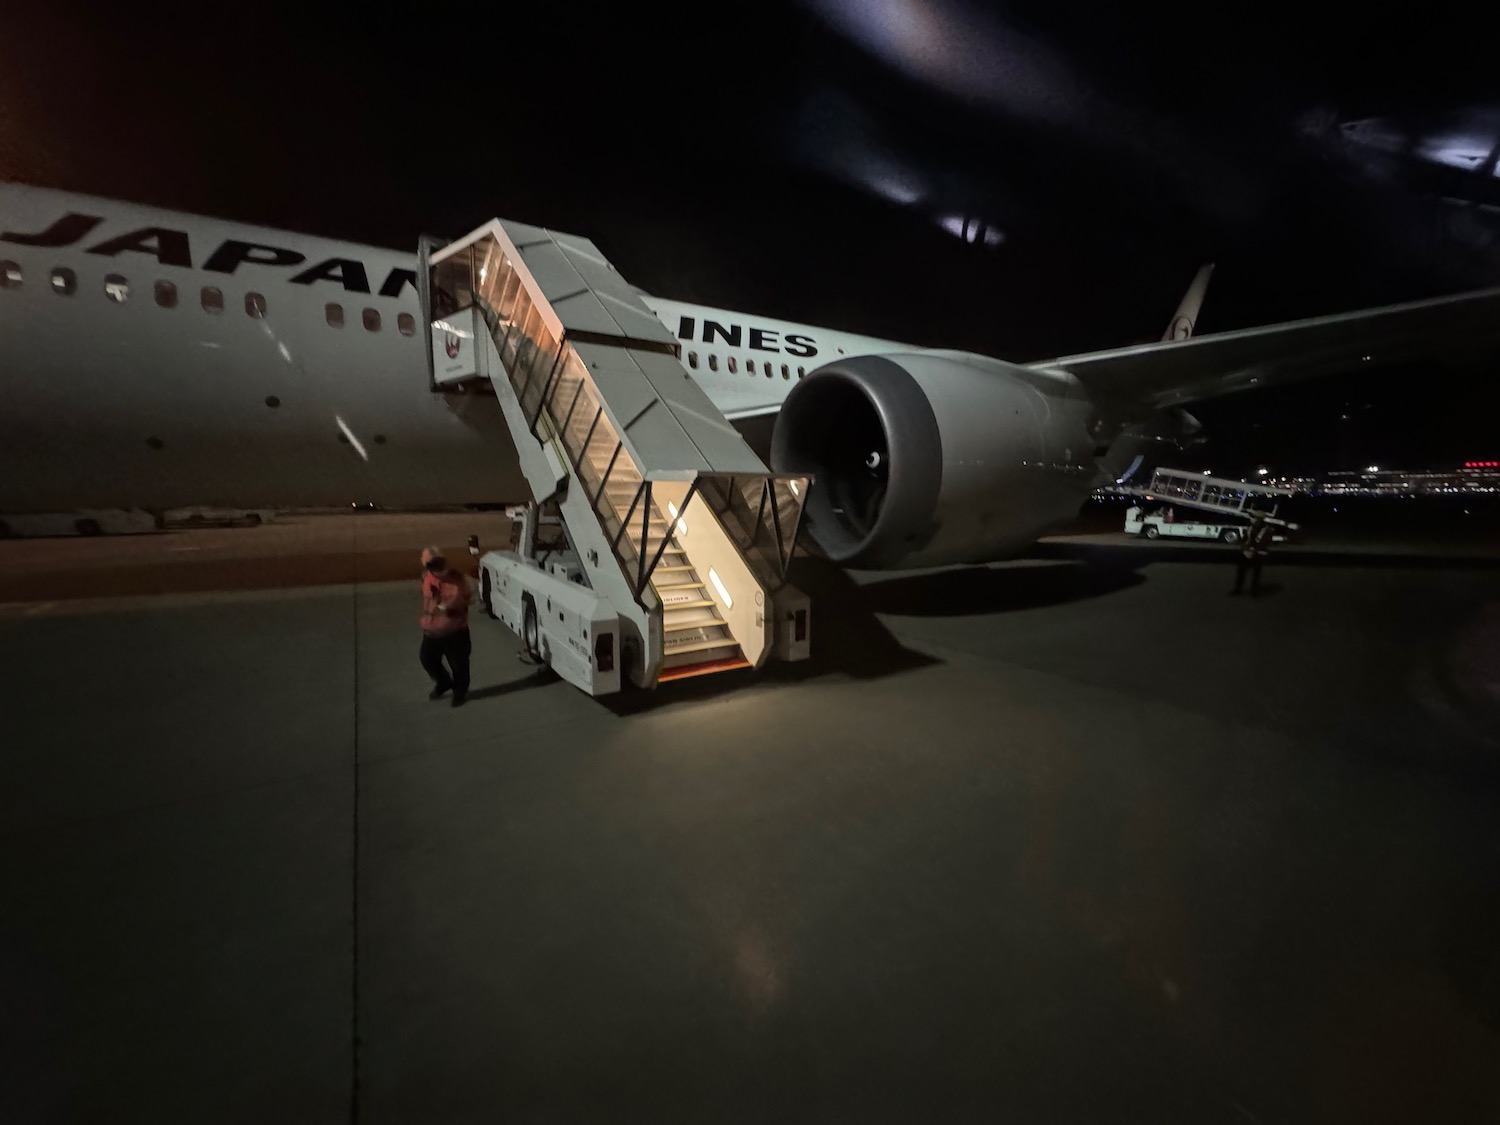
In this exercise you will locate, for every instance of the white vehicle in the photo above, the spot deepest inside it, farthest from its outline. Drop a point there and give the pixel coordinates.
(1180, 524)
(562, 623)
(655, 550)
(1189, 505)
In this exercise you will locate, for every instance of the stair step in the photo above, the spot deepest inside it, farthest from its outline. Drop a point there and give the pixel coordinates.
(694, 626)
(653, 541)
(674, 569)
(706, 603)
(709, 609)
(700, 646)
(701, 615)
(702, 668)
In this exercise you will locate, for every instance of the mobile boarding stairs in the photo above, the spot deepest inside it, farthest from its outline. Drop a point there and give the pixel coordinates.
(1213, 494)
(657, 543)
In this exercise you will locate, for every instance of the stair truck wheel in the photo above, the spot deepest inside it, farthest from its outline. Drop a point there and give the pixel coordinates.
(530, 633)
(1229, 535)
(1150, 531)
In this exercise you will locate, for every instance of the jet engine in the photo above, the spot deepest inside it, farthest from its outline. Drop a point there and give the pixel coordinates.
(937, 457)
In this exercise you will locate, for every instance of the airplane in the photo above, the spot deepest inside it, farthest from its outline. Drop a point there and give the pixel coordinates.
(158, 360)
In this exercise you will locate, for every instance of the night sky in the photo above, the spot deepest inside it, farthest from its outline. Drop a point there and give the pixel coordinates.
(1024, 180)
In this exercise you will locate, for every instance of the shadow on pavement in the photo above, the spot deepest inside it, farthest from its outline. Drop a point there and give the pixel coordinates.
(982, 589)
(539, 678)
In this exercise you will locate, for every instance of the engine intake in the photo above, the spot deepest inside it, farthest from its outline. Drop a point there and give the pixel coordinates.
(933, 458)
(867, 434)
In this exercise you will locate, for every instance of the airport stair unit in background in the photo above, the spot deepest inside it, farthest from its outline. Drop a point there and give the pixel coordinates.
(1213, 494)
(670, 513)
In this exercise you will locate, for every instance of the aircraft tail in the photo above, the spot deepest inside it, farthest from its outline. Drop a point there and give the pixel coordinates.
(1187, 313)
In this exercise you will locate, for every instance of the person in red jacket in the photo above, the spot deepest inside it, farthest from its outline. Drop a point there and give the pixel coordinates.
(445, 627)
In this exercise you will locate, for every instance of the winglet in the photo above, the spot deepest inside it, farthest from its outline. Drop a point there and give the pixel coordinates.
(1187, 313)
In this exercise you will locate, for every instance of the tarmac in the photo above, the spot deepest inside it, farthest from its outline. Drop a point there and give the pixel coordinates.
(1076, 838)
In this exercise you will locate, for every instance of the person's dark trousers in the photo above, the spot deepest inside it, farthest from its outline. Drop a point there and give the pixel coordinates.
(1248, 564)
(455, 648)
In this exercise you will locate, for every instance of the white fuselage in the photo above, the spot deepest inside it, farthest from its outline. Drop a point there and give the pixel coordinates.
(749, 364)
(154, 359)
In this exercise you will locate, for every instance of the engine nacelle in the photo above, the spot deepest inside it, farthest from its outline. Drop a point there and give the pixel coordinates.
(935, 458)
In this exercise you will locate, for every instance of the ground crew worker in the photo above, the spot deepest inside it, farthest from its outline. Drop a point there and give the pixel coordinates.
(1253, 551)
(445, 627)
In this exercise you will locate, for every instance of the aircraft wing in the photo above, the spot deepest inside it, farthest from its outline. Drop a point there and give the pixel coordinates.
(753, 412)
(1175, 372)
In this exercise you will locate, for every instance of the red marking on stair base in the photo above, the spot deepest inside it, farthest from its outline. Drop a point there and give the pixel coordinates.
(683, 671)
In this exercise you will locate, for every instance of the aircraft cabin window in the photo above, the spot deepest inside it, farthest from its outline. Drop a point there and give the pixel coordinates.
(734, 365)
(802, 373)
(785, 373)
(166, 294)
(335, 314)
(372, 320)
(750, 366)
(64, 281)
(713, 362)
(116, 288)
(693, 360)
(406, 324)
(255, 306)
(10, 275)
(213, 299)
